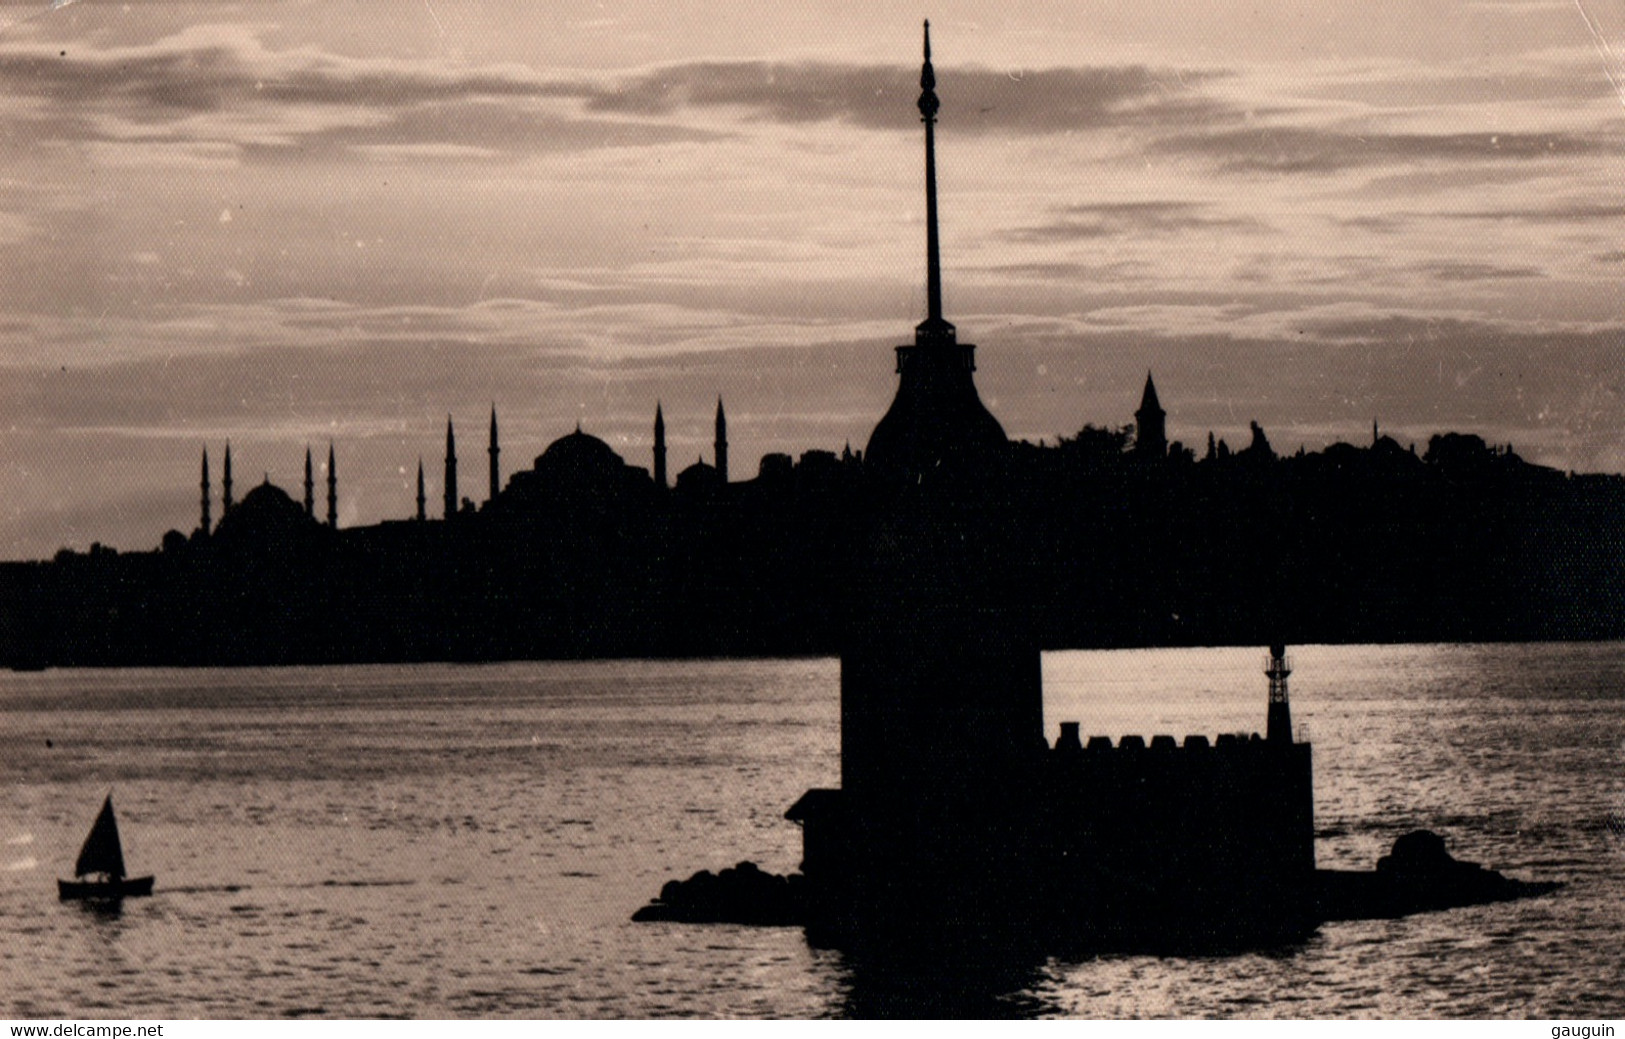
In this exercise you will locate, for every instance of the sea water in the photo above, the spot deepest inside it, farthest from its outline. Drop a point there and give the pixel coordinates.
(471, 841)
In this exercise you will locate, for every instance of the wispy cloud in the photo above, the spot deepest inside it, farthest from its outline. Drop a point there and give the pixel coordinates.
(1113, 219)
(1571, 212)
(1294, 150)
(1464, 271)
(219, 85)
(1045, 101)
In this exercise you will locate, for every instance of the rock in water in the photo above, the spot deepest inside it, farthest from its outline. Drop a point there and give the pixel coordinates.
(1418, 875)
(742, 894)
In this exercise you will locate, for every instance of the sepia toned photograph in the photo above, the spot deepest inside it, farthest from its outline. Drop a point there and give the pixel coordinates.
(632, 510)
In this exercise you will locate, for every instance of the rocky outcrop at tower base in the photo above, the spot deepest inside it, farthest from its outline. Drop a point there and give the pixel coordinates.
(1417, 876)
(742, 894)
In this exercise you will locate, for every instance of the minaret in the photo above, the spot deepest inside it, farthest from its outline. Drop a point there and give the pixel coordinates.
(451, 471)
(225, 485)
(204, 522)
(660, 448)
(332, 489)
(310, 486)
(494, 450)
(722, 444)
(423, 501)
(1150, 425)
(1279, 726)
(937, 416)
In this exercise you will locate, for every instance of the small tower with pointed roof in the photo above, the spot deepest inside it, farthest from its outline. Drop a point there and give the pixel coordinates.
(423, 501)
(1150, 424)
(310, 487)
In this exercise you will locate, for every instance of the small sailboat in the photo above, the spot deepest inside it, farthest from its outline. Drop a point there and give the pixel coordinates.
(100, 868)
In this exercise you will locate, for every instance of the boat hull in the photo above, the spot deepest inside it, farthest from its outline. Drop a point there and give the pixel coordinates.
(103, 890)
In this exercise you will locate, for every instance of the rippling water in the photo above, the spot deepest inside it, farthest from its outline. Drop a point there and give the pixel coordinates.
(471, 840)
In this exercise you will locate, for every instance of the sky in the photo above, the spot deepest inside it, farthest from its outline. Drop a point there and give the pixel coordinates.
(288, 224)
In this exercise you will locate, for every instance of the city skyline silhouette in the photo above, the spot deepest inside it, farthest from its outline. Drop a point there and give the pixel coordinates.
(1111, 537)
(343, 230)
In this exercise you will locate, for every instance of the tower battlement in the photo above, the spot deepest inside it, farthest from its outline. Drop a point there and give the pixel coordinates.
(1069, 743)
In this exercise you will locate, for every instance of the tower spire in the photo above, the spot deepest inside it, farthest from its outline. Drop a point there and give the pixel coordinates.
(225, 485)
(423, 502)
(928, 115)
(204, 522)
(310, 486)
(494, 450)
(721, 445)
(660, 448)
(451, 471)
(936, 413)
(1150, 423)
(332, 489)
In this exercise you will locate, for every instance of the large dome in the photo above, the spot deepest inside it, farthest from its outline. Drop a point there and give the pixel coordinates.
(267, 516)
(579, 457)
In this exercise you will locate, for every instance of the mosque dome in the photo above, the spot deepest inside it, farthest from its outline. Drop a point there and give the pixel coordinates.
(579, 458)
(266, 516)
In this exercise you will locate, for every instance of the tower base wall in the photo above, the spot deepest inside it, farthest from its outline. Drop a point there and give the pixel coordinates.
(1212, 839)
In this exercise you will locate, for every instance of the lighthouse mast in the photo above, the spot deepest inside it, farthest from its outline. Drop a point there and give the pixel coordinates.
(1277, 669)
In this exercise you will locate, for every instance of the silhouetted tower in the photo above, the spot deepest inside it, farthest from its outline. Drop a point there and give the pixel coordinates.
(310, 487)
(941, 679)
(494, 451)
(937, 416)
(1150, 429)
(451, 471)
(722, 444)
(660, 447)
(1278, 667)
(204, 521)
(423, 501)
(225, 484)
(332, 490)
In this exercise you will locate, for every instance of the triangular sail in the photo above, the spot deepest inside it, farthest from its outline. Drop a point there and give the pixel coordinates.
(102, 852)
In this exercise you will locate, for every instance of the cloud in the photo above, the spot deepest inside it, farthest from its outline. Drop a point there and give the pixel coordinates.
(1572, 82)
(1314, 150)
(975, 100)
(1117, 219)
(219, 86)
(208, 67)
(1463, 271)
(1572, 212)
(1386, 224)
